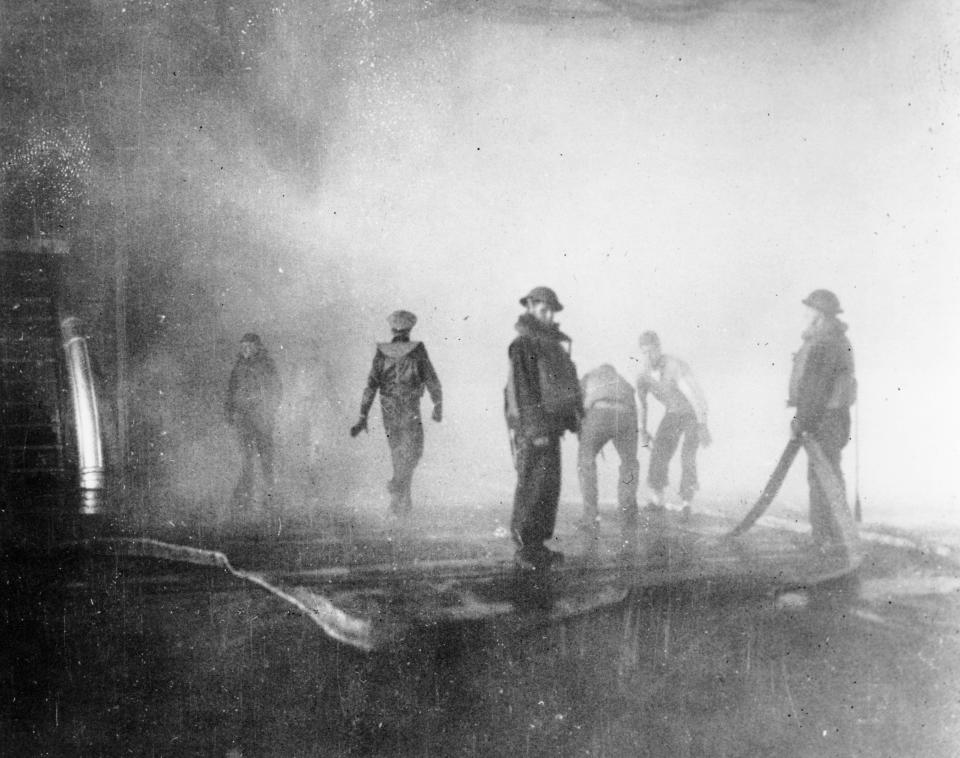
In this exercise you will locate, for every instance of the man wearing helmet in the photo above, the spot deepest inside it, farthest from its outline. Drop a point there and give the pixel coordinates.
(542, 400)
(401, 370)
(823, 386)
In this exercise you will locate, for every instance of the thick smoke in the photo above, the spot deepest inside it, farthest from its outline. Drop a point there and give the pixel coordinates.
(694, 174)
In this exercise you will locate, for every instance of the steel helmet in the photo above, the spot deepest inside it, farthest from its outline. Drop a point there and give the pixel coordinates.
(650, 338)
(824, 301)
(401, 321)
(544, 295)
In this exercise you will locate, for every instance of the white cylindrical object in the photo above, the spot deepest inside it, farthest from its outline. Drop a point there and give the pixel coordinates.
(86, 415)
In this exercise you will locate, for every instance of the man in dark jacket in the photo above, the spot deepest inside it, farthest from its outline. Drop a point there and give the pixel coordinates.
(253, 396)
(822, 388)
(401, 370)
(542, 401)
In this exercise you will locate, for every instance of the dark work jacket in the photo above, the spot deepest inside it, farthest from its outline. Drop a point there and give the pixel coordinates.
(542, 396)
(401, 370)
(254, 389)
(823, 373)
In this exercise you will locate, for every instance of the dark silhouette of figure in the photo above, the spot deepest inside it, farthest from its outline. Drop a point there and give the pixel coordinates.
(401, 371)
(542, 401)
(253, 396)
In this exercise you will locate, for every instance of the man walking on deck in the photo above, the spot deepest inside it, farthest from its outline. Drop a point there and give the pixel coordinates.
(610, 415)
(671, 382)
(542, 401)
(823, 386)
(253, 396)
(401, 370)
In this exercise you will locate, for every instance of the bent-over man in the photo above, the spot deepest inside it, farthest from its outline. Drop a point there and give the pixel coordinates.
(610, 415)
(671, 382)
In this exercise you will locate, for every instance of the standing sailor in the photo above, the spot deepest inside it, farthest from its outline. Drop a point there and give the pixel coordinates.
(823, 386)
(401, 370)
(253, 396)
(542, 400)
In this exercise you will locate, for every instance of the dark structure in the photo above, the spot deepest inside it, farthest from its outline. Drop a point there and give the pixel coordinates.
(51, 437)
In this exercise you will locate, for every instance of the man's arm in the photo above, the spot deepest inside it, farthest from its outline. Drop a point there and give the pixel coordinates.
(813, 392)
(432, 382)
(526, 388)
(642, 390)
(229, 405)
(274, 388)
(687, 384)
(369, 393)
(373, 384)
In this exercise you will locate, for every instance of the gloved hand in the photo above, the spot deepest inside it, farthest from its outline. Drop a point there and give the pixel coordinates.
(796, 431)
(438, 412)
(704, 434)
(360, 426)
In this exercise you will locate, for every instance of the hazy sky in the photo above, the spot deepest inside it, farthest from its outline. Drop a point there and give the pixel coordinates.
(696, 173)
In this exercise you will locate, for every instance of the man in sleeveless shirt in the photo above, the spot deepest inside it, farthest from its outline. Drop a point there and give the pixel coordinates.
(670, 381)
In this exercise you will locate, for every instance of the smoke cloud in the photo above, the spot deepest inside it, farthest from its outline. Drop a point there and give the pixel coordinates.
(695, 172)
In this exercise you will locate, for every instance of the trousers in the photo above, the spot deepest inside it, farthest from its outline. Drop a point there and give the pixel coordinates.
(405, 438)
(672, 427)
(600, 426)
(537, 495)
(256, 442)
(832, 433)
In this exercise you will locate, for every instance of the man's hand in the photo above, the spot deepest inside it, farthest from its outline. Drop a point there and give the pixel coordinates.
(360, 426)
(704, 434)
(540, 441)
(644, 438)
(437, 412)
(796, 431)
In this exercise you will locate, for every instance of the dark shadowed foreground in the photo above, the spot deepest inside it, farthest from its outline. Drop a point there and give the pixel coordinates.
(100, 663)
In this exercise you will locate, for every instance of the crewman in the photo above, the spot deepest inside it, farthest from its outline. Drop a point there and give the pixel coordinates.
(670, 381)
(253, 397)
(401, 370)
(823, 386)
(542, 400)
(610, 416)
